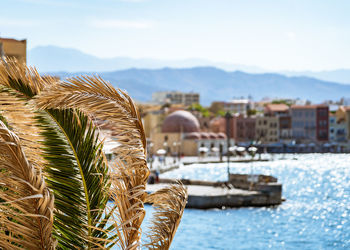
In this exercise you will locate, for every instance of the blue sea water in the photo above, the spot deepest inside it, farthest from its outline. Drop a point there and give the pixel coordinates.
(315, 215)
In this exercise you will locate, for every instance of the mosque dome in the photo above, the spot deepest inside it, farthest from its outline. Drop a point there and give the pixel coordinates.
(221, 135)
(180, 121)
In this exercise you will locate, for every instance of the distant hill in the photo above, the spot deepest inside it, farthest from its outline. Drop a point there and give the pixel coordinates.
(339, 75)
(215, 84)
(52, 58)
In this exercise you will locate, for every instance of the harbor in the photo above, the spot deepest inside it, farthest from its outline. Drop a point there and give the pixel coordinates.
(240, 190)
(314, 215)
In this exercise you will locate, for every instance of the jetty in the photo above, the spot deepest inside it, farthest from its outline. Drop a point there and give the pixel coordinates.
(239, 191)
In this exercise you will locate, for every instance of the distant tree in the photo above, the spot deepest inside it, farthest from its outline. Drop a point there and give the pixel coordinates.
(215, 107)
(251, 112)
(197, 107)
(220, 113)
(281, 101)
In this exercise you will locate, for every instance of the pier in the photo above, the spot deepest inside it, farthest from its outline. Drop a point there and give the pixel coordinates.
(240, 191)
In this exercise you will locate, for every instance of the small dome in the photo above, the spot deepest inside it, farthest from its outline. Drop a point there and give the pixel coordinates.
(205, 135)
(180, 121)
(221, 135)
(193, 136)
(213, 135)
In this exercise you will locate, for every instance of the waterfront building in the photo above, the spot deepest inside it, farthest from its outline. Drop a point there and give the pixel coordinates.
(310, 123)
(242, 128)
(285, 121)
(13, 48)
(175, 97)
(343, 115)
(337, 130)
(267, 129)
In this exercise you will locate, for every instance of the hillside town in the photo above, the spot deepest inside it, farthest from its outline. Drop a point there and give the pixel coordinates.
(177, 123)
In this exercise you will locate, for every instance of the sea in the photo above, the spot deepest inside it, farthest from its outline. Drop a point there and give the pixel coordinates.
(315, 215)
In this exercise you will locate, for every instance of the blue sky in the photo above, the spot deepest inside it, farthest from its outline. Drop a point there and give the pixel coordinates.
(272, 34)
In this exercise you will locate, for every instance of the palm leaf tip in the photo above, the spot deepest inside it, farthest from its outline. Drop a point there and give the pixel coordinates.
(26, 217)
(169, 204)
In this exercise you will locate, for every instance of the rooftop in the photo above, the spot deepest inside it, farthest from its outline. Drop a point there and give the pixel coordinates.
(11, 40)
(277, 107)
(308, 106)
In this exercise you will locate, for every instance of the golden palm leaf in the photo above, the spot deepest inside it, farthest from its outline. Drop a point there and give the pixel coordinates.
(20, 117)
(169, 203)
(25, 80)
(18, 83)
(26, 217)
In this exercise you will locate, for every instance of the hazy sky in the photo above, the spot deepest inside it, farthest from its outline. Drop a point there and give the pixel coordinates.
(276, 35)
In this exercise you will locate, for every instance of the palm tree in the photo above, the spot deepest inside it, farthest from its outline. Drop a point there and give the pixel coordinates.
(55, 181)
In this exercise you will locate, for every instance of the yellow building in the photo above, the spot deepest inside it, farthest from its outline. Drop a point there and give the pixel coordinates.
(267, 129)
(13, 48)
(152, 122)
(343, 116)
(340, 114)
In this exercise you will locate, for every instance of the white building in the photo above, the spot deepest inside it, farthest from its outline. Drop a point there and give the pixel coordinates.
(175, 97)
(240, 106)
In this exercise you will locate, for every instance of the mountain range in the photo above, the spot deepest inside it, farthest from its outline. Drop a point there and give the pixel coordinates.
(53, 58)
(215, 84)
(142, 77)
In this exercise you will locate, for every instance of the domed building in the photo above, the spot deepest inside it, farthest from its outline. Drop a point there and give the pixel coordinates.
(180, 121)
(181, 133)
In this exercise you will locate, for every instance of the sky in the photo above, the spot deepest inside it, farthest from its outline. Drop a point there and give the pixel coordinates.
(271, 34)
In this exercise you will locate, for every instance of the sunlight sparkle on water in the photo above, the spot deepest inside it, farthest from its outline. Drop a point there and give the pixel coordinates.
(314, 216)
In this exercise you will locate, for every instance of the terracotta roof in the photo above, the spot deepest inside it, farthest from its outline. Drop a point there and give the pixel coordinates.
(277, 107)
(308, 106)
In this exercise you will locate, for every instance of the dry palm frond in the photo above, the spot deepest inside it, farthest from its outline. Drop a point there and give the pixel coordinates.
(20, 117)
(96, 96)
(26, 206)
(169, 204)
(25, 80)
(19, 83)
(92, 95)
(128, 198)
